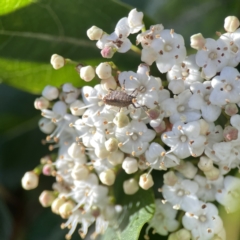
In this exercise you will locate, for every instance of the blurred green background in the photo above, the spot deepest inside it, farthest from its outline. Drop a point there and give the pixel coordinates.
(30, 32)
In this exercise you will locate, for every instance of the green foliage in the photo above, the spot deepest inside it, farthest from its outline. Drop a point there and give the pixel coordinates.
(10, 6)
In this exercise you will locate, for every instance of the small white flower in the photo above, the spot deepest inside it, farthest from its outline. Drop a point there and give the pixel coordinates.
(159, 159)
(135, 21)
(213, 57)
(226, 87)
(163, 220)
(229, 195)
(203, 222)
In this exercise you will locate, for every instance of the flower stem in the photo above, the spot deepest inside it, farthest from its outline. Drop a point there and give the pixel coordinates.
(136, 49)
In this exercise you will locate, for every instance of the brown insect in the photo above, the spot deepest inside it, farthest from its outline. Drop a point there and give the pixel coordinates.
(121, 98)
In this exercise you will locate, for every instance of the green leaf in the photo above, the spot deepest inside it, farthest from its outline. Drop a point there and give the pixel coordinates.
(5, 222)
(30, 35)
(12, 5)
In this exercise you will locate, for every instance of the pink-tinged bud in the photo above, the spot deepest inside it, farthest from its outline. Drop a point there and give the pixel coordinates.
(41, 103)
(108, 52)
(47, 169)
(197, 41)
(95, 211)
(230, 133)
(46, 198)
(153, 113)
(231, 109)
(161, 127)
(231, 23)
(170, 178)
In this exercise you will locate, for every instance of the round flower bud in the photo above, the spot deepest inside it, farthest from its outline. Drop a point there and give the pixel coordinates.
(104, 70)
(204, 127)
(116, 158)
(46, 126)
(153, 113)
(160, 128)
(212, 174)
(197, 41)
(80, 172)
(130, 186)
(230, 133)
(94, 33)
(121, 120)
(205, 164)
(56, 204)
(57, 61)
(46, 198)
(182, 234)
(231, 23)
(30, 180)
(75, 151)
(231, 109)
(101, 152)
(109, 83)
(111, 144)
(187, 169)
(130, 165)
(170, 178)
(47, 169)
(108, 52)
(146, 181)
(107, 177)
(66, 209)
(87, 73)
(50, 92)
(41, 103)
(77, 108)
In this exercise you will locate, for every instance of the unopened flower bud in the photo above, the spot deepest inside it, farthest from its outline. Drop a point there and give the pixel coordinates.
(130, 165)
(57, 61)
(56, 204)
(121, 120)
(187, 169)
(170, 178)
(87, 73)
(153, 113)
(197, 41)
(95, 211)
(109, 83)
(160, 128)
(130, 186)
(47, 169)
(231, 109)
(149, 55)
(213, 174)
(107, 177)
(41, 103)
(205, 164)
(104, 70)
(111, 144)
(94, 33)
(75, 151)
(146, 181)
(204, 127)
(182, 234)
(66, 209)
(46, 126)
(80, 172)
(50, 92)
(230, 133)
(30, 180)
(46, 198)
(116, 158)
(231, 23)
(77, 108)
(108, 52)
(101, 152)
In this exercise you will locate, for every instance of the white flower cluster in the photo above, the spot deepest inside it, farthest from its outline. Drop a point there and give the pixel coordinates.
(130, 122)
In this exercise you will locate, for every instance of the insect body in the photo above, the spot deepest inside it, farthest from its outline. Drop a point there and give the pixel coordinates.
(119, 99)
